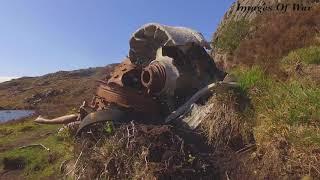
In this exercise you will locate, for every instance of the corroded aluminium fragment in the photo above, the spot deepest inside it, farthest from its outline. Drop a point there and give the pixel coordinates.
(145, 42)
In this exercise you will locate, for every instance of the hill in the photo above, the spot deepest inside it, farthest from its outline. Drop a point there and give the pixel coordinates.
(52, 94)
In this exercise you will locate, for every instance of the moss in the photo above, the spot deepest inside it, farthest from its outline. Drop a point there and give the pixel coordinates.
(232, 33)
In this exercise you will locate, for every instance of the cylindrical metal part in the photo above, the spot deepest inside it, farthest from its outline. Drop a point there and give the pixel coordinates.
(153, 77)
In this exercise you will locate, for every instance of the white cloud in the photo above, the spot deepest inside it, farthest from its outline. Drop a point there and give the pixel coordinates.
(3, 78)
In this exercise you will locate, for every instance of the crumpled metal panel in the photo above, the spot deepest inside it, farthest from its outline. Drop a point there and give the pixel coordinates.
(102, 116)
(145, 42)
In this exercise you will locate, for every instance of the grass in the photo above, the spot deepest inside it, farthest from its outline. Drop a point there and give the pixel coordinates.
(230, 122)
(308, 55)
(277, 67)
(286, 121)
(37, 163)
(11, 133)
(273, 38)
(232, 33)
(249, 79)
(280, 106)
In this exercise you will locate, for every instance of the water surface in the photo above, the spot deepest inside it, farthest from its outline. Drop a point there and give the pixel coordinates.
(8, 115)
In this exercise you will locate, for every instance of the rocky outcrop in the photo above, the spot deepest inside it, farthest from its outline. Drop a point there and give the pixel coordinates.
(38, 97)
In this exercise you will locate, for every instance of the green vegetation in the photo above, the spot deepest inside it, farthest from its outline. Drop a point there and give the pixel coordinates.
(50, 95)
(34, 162)
(282, 108)
(10, 133)
(251, 78)
(232, 33)
(309, 55)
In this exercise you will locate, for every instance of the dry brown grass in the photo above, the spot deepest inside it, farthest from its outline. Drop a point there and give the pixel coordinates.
(275, 35)
(227, 124)
(138, 151)
(71, 89)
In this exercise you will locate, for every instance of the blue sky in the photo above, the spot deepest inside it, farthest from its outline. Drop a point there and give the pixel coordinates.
(43, 36)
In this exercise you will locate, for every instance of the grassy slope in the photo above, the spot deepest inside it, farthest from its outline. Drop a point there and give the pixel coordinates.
(278, 68)
(73, 88)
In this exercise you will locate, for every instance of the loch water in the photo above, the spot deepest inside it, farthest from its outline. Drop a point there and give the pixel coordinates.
(8, 115)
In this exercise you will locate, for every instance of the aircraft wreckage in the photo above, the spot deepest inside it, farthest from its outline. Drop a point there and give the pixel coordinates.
(168, 69)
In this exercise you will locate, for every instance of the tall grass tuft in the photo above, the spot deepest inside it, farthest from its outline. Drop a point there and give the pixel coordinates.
(308, 55)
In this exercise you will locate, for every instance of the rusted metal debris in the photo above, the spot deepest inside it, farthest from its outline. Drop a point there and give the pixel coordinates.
(165, 67)
(124, 89)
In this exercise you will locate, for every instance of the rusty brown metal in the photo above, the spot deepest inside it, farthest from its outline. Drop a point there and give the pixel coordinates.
(126, 74)
(127, 98)
(153, 77)
(125, 90)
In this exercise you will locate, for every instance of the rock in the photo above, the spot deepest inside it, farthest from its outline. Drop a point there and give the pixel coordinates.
(44, 83)
(38, 97)
(52, 92)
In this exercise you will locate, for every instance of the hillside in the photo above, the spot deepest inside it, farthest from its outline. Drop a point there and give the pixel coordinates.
(276, 57)
(52, 94)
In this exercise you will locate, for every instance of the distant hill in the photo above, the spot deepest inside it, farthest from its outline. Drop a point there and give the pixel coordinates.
(52, 94)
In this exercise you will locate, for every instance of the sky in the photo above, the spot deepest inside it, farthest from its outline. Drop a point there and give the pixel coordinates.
(43, 36)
